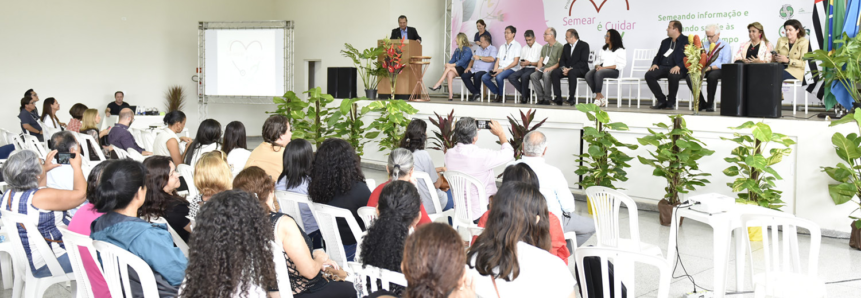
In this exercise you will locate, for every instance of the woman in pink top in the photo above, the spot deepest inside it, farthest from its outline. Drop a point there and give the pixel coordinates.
(80, 224)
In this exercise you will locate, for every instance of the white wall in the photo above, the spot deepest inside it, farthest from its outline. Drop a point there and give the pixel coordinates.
(83, 51)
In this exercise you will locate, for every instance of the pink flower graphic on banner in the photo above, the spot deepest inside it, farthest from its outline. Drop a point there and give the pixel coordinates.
(522, 14)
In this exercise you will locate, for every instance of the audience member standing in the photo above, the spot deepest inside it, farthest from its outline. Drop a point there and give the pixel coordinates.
(269, 154)
(668, 64)
(414, 140)
(337, 180)
(481, 28)
(530, 56)
(573, 64)
(477, 162)
(399, 168)
(120, 137)
(29, 123)
(405, 32)
(609, 64)
(117, 106)
(162, 180)
(549, 62)
(49, 114)
(235, 146)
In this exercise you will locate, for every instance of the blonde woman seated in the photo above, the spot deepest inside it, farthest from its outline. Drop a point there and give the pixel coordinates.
(211, 176)
(455, 67)
(757, 49)
(90, 126)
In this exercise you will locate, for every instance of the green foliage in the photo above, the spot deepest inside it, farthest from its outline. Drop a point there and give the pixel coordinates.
(848, 173)
(603, 163)
(366, 62)
(347, 123)
(443, 138)
(675, 157)
(518, 130)
(841, 65)
(753, 168)
(394, 117)
(308, 119)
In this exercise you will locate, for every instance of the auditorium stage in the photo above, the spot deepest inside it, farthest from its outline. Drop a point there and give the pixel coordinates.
(804, 185)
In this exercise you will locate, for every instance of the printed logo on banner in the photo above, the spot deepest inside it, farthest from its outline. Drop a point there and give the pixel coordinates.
(570, 5)
(787, 12)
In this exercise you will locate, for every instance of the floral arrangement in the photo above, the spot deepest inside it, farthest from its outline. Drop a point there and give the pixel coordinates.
(696, 58)
(392, 61)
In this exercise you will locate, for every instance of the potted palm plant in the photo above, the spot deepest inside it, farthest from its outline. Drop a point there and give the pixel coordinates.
(847, 173)
(674, 158)
(370, 69)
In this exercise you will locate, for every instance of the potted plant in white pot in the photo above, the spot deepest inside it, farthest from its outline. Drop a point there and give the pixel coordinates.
(847, 173)
(369, 68)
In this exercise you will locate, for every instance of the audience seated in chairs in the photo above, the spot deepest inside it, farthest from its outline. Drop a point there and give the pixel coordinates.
(208, 139)
(49, 114)
(77, 112)
(307, 268)
(29, 123)
(477, 162)
(414, 140)
(400, 168)
(166, 143)
(433, 265)
(269, 154)
(337, 180)
(121, 193)
(61, 177)
(80, 224)
(295, 177)
(235, 146)
(162, 180)
(90, 126)
(211, 176)
(518, 229)
(398, 213)
(231, 255)
(120, 136)
(44, 207)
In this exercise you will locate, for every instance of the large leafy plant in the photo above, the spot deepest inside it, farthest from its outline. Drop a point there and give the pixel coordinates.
(847, 173)
(839, 66)
(443, 138)
(394, 118)
(755, 177)
(347, 123)
(366, 62)
(518, 130)
(308, 119)
(603, 163)
(675, 157)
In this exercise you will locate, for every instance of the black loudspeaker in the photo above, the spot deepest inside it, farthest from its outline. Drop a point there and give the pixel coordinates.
(763, 83)
(341, 82)
(732, 90)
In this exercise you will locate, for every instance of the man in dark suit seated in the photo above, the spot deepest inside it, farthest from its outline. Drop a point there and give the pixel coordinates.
(573, 64)
(668, 63)
(405, 32)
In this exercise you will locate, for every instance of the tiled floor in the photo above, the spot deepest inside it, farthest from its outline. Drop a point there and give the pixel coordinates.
(837, 260)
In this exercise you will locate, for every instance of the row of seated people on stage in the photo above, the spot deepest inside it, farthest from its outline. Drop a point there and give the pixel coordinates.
(32, 122)
(230, 226)
(546, 65)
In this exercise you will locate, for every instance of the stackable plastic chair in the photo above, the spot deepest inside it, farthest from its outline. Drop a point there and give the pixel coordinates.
(462, 186)
(795, 84)
(783, 275)
(90, 142)
(621, 259)
(368, 215)
(365, 277)
(123, 154)
(372, 184)
(289, 203)
(177, 240)
(423, 177)
(6, 254)
(187, 172)
(116, 262)
(30, 285)
(74, 242)
(642, 61)
(326, 219)
(281, 272)
(606, 206)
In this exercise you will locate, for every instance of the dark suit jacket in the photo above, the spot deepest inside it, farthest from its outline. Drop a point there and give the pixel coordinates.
(412, 34)
(578, 60)
(678, 55)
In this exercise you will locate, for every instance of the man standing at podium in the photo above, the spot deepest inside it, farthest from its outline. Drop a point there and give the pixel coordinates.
(405, 32)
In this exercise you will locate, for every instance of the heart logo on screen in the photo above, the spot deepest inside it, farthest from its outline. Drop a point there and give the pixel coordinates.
(597, 7)
(246, 58)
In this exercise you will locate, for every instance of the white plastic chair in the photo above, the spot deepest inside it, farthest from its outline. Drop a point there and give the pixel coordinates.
(606, 206)
(32, 143)
(289, 203)
(148, 138)
(32, 286)
(372, 184)
(187, 172)
(177, 240)
(121, 153)
(281, 272)
(795, 84)
(362, 276)
(326, 219)
(89, 141)
(116, 262)
(135, 155)
(6, 254)
(783, 275)
(74, 242)
(136, 134)
(368, 215)
(465, 189)
(620, 258)
(635, 77)
(424, 178)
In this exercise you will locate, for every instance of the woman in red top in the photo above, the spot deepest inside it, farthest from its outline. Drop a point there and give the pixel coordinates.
(522, 172)
(400, 167)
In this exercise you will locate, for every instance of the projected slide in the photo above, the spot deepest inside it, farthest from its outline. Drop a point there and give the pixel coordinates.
(248, 62)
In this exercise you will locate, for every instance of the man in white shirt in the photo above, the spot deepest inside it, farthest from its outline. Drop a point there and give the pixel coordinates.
(554, 187)
(61, 178)
(507, 59)
(530, 55)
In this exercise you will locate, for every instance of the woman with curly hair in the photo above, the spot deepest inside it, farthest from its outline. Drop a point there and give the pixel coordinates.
(433, 265)
(398, 212)
(162, 180)
(414, 140)
(512, 254)
(230, 254)
(337, 180)
(305, 266)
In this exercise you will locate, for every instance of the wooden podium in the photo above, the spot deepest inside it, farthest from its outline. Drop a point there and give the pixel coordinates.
(407, 78)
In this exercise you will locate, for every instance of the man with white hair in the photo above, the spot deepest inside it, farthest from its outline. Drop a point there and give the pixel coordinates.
(554, 187)
(712, 71)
